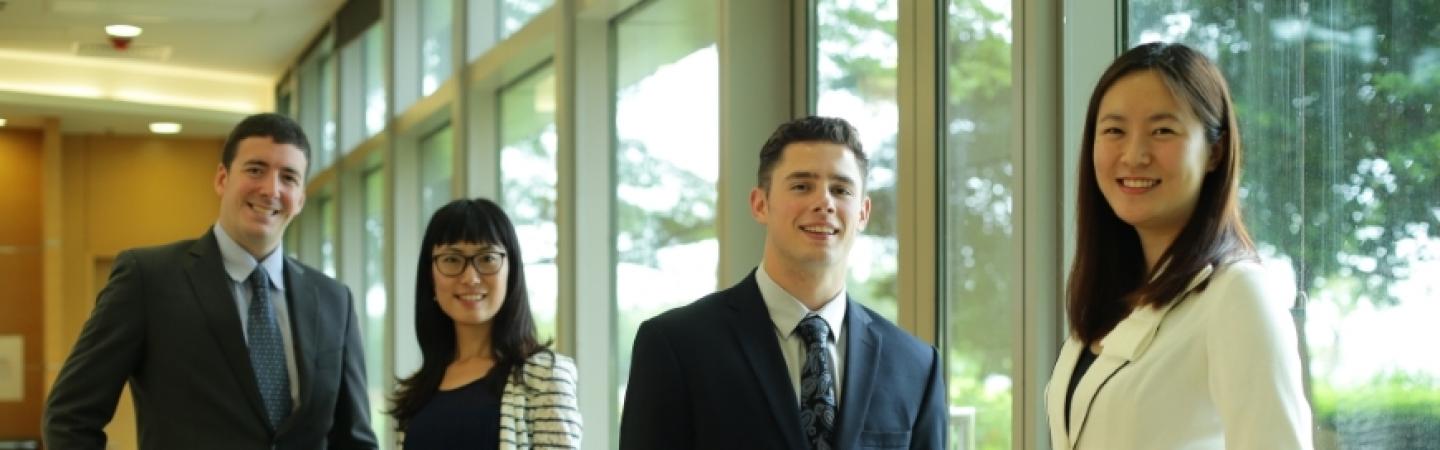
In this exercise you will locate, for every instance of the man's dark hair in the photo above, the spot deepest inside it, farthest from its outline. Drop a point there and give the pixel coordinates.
(810, 129)
(274, 126)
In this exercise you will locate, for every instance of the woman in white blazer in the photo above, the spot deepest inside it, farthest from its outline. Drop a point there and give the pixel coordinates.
(485, 381)
(1179, 339)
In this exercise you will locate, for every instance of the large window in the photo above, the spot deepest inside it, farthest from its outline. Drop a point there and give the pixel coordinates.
(328, 232)
(979, 232)
(1336, 106)
(856, 54)
(528, 186)
(437, 163)
(667, 107)
(376, 305)
(373, 75)
(327, 145)
(435, 44)
(514, 14)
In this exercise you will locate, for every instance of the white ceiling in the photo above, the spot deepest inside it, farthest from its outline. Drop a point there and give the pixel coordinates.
(206, 45)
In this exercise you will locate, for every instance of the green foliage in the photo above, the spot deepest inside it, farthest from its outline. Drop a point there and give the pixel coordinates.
(1393, 393)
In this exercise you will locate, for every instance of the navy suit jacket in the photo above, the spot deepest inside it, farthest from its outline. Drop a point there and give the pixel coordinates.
(166, 323)
(710, 375)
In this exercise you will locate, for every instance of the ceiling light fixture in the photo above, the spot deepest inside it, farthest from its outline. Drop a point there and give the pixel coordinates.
(2, 121)
(164, 127)
(123, 31)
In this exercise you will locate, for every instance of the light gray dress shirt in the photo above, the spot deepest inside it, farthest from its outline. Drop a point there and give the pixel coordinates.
(787, 312)
(238, 265)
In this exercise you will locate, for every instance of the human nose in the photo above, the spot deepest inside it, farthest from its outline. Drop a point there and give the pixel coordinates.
(825, 203)
(1135, 152)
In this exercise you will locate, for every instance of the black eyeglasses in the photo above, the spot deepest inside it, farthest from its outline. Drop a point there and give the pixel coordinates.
(453, 264)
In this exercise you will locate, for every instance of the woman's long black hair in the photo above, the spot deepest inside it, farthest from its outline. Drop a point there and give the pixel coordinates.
(512, 330)
(1109, 276)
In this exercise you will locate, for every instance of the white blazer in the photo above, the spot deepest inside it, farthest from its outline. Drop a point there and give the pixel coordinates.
(1218, 369)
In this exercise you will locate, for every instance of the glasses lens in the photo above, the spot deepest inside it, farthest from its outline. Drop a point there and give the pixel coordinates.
(450, 264)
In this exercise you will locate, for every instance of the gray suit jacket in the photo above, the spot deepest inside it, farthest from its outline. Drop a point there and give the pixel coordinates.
(166, 323)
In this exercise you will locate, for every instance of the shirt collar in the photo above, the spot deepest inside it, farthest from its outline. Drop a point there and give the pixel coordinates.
(239, 263)
(786, 311)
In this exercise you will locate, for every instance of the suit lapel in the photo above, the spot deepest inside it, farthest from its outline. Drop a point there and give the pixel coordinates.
(756, 336)
(304, 326)
(1126, 343)
(216, 300)
(1055, 393)
(862, 357)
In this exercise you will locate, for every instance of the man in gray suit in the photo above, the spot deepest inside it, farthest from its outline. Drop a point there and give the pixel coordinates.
(226, 343)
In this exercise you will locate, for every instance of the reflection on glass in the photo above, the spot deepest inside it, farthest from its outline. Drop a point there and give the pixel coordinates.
(1337, 104)
(436, 169)
(528, 193)
(375, 303)
(327, 112)
(667, 108)
(856, 52)
(514, 14)
(978, 233)
(328, 231)
(434, 45)
(373, 58)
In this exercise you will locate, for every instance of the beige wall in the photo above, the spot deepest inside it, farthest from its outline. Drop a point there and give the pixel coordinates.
(114, 193)
(21, 297)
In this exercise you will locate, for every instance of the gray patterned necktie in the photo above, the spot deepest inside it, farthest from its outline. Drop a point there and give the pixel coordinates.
(817, 385)
(267, 350)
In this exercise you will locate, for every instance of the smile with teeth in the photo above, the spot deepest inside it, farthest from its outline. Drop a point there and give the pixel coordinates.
(1139, 183)
(820, 229)
(472, 298)
(263, 210)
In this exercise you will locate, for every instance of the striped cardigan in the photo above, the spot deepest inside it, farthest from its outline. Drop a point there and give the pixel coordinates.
(541, 412)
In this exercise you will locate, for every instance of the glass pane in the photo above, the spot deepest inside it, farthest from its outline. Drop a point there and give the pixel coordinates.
(1341, 183)
(514, 14)
(327, 112)
(527, 140)
(979, 232)
(291, 242)
(376, 307)
(667, 116)
(374, 80)
(328, 231)
(434, 44)
(437, 160)
(855, 77)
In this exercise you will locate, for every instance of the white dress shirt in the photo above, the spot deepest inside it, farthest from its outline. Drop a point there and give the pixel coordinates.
(787, 312)
(239, 264)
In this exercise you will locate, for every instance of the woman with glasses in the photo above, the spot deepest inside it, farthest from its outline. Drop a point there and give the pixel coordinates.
(485, 381)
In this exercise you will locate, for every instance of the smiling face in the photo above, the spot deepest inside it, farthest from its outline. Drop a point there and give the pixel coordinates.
(814, 207)
(261, 191)
(470, 297)
(1150, 156)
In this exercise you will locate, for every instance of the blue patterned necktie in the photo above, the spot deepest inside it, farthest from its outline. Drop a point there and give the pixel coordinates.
(817, 385)
(267, 350)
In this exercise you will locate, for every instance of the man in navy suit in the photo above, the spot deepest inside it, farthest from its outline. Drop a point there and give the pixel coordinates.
(785, 359)
(225, 342)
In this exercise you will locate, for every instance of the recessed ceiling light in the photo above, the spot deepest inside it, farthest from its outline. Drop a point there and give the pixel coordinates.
(123, 31)
(164, 127)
